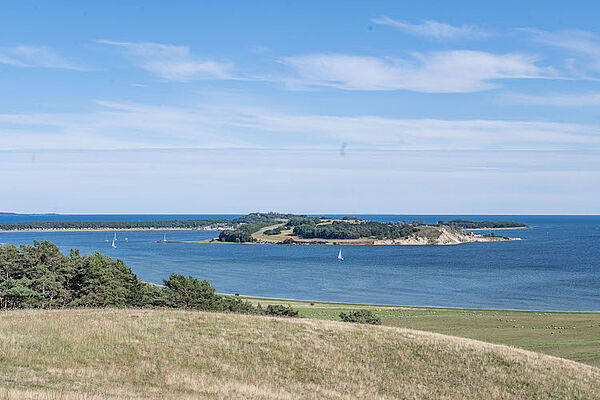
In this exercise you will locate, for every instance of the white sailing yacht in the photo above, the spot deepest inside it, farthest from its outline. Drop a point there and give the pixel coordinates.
(113, 245)
(164, 238)
(340, 258)
(115, 238)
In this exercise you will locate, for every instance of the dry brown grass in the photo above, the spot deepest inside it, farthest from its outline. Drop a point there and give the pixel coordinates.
(140, 354)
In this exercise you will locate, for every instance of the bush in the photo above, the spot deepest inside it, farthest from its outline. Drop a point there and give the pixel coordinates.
(274, 231)
(280, 311)
(190, 293)
(361, 317)
(235, 305)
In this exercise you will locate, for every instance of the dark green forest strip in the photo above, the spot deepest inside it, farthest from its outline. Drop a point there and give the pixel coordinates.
(119, 225)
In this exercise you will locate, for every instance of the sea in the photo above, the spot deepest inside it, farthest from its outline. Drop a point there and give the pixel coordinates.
(556, 267)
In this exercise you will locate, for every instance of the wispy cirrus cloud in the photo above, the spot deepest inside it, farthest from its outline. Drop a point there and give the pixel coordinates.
(173, 63)
(433, 29)
(35, 56)
(458, 71)
(583, 46)
(579, 41)
(139, 126)
(555, 99)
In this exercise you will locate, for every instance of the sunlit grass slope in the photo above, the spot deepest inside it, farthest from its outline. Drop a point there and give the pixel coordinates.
(572, 335)
(101, 354)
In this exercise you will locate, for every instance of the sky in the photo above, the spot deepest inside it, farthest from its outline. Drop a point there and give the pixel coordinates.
(399, 107)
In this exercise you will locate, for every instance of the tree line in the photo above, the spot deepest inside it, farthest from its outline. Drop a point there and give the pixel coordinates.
(261, 217)
(466, 224)
(349, 230)
(171, 224)
(40, 276)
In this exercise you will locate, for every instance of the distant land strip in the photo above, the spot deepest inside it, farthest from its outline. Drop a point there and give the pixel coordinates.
(116, 225)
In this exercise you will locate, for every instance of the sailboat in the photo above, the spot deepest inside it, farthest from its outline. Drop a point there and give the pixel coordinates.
(115, 239)
(113, 245)
(164, 238)
(340, 258)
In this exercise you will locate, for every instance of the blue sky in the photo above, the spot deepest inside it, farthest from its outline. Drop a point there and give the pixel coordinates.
(320, 107)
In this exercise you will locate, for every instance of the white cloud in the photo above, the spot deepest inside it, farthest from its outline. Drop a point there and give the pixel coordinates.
(576, 40)
(34, 56)
(433, 29)
(120, 126)
(582, 44)
(173, 63)
(425, 134)
(458, 71)
(556, 99)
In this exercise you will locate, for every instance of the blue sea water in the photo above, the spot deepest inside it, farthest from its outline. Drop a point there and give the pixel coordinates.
(555, 267)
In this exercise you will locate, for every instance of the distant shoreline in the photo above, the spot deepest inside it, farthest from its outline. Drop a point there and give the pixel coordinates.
(104, 230)
(494, 229)
(177, 229)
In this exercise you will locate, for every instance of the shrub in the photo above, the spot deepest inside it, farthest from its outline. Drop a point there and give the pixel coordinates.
(234, 305)
(274, 231)
(280, 311)
(190, 293)
(361, 317)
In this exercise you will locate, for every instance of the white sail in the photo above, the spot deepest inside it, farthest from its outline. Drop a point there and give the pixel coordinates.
(164, 237)
(340, 256)
(115, 239)
(113, 244)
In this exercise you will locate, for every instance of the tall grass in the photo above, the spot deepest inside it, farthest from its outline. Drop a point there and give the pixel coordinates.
(145, 354)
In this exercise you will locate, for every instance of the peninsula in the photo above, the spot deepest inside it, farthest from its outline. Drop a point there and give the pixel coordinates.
(272, 228)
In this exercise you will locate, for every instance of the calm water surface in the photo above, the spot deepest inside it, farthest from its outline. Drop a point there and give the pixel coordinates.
(555, 267)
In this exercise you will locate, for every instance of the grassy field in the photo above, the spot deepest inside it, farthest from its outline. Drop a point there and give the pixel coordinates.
(286, 234)
(146, 354)
(571, 335)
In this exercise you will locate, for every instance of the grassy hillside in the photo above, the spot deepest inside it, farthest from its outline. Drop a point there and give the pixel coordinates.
(101, 354)
(572, 335)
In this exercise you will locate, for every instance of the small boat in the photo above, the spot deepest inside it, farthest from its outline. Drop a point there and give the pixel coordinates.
(115, 238)
(164, 238)
(340, 258)
(113, 245)
(126, 239)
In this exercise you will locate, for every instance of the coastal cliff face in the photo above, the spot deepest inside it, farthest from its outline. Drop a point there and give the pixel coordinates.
(439, 236)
